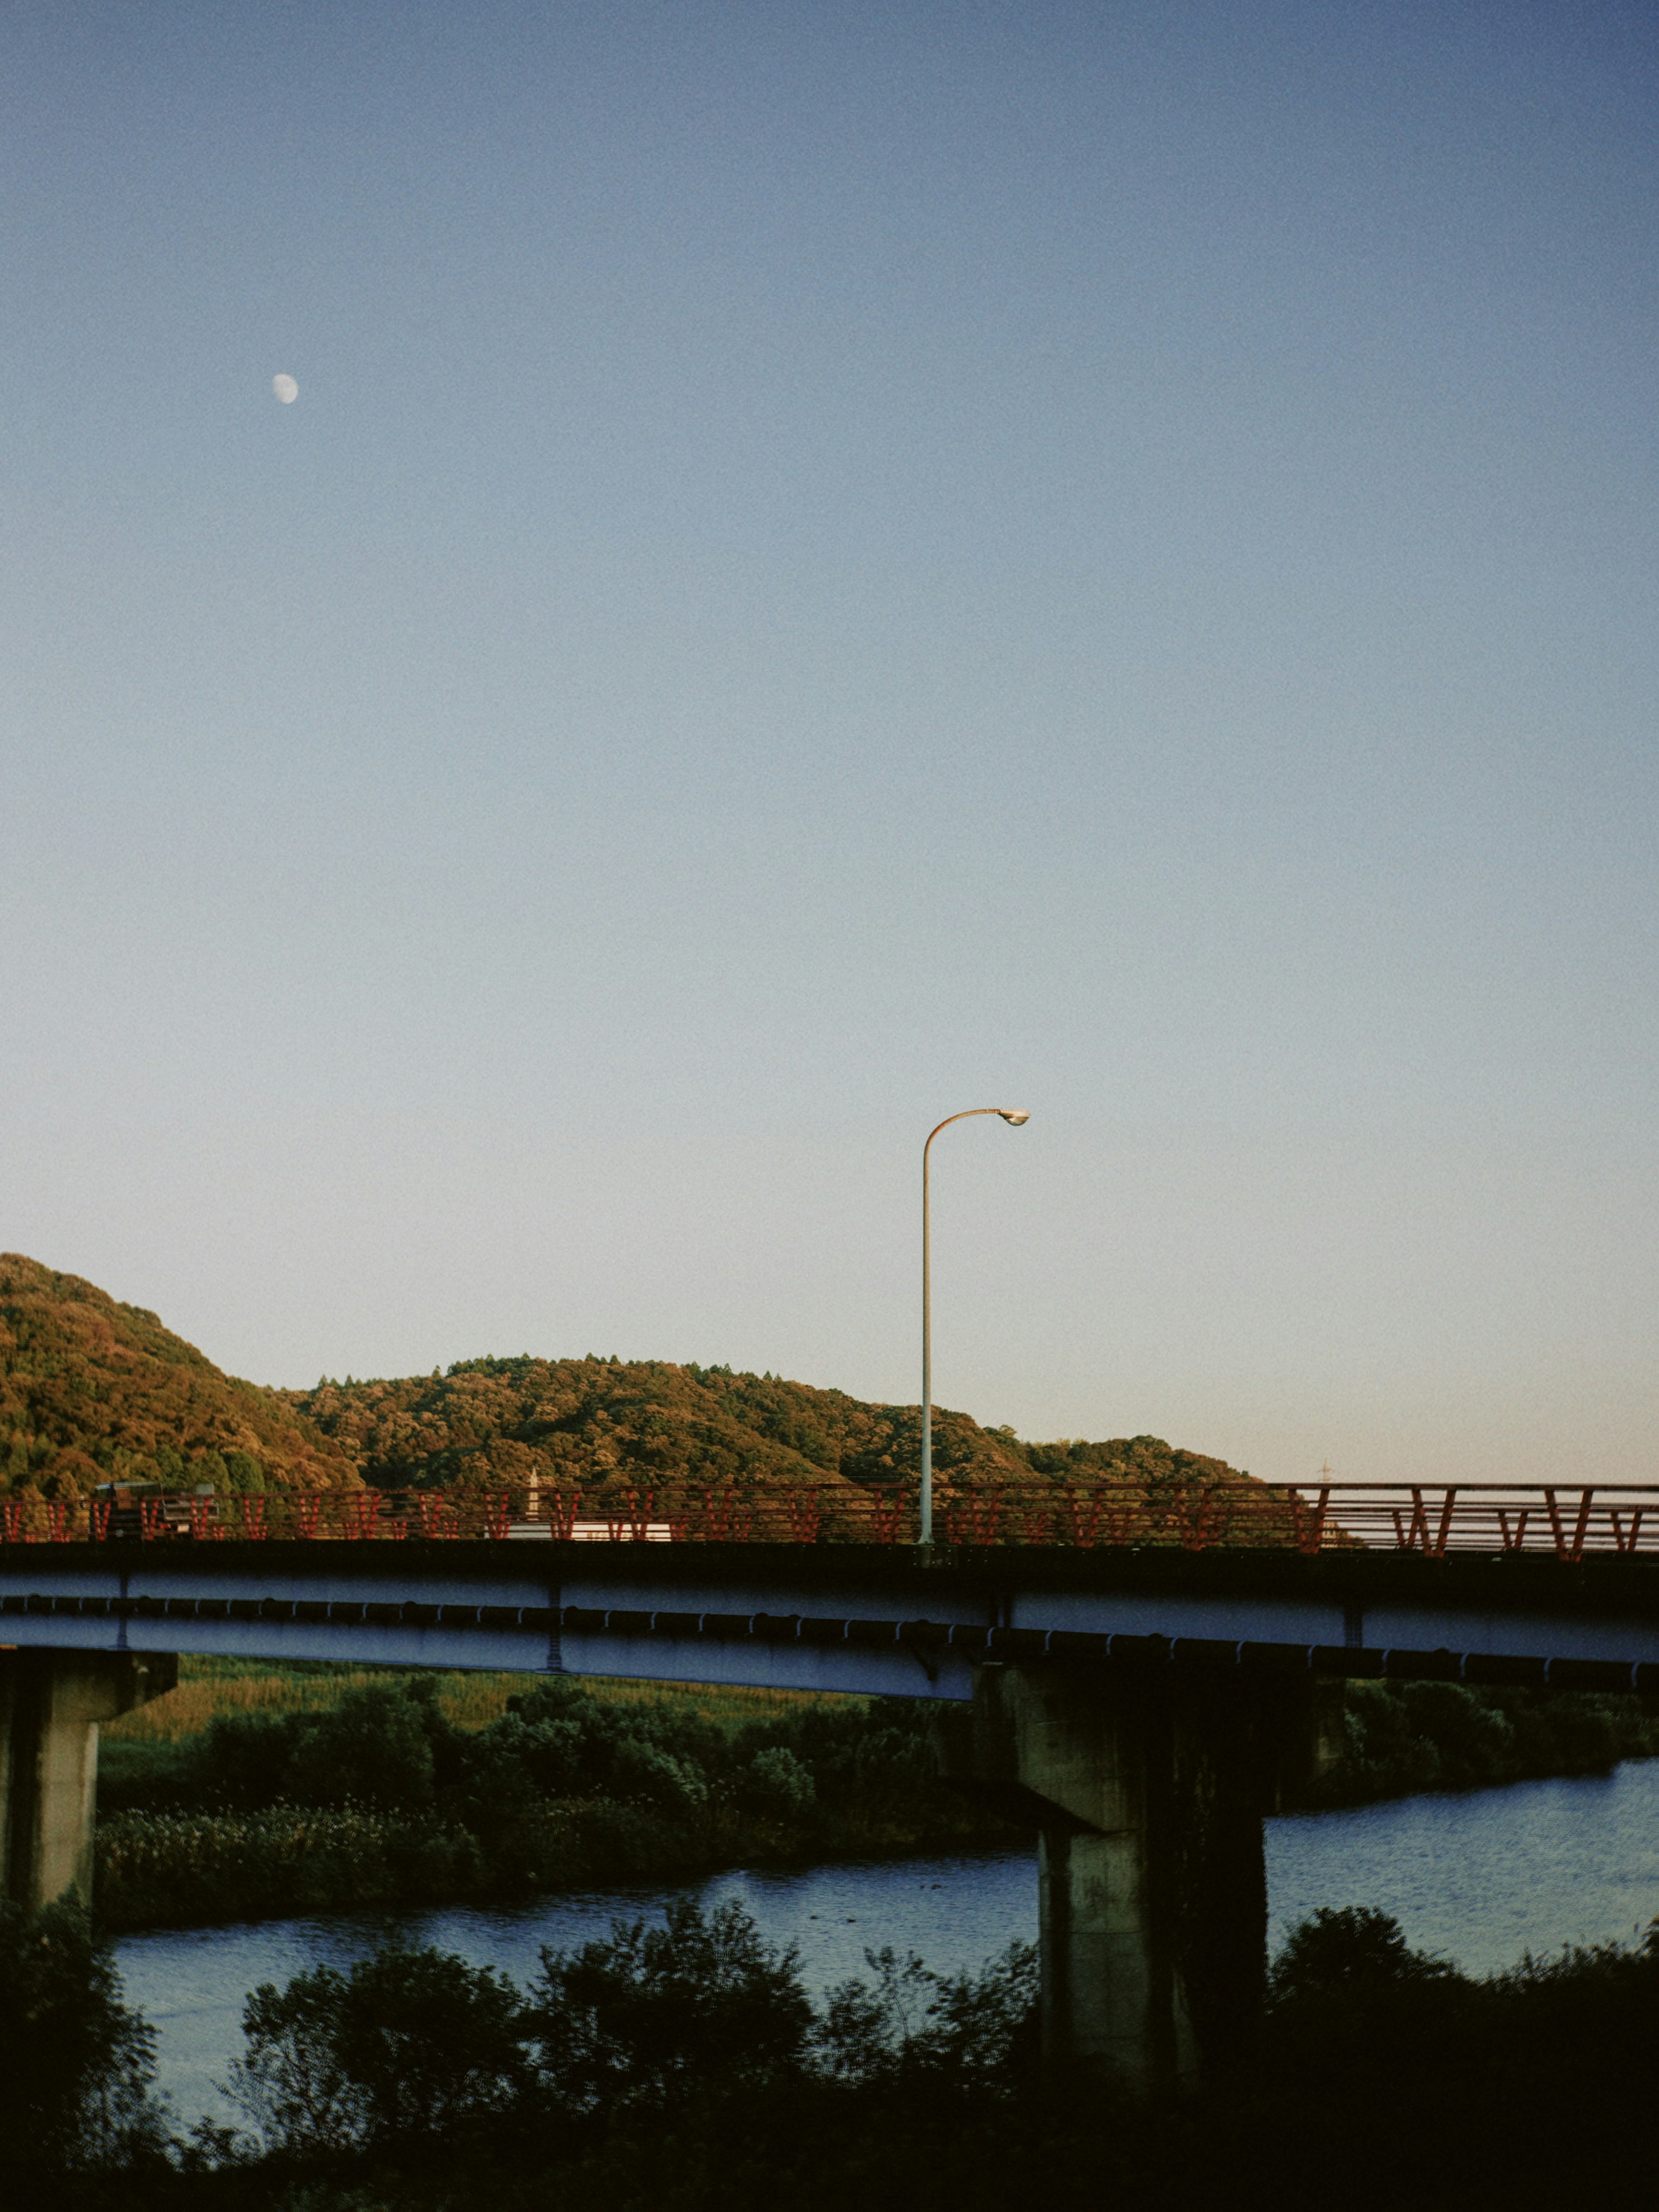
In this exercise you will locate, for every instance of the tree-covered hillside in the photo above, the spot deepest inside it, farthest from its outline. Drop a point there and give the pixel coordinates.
(584, 1423)
(91, 1389)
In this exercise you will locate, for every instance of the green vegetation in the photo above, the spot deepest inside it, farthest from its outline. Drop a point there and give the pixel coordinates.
(376, 1798)
(92, 1391)
(1403, 1737)
(253, 1791)
(683, 2065)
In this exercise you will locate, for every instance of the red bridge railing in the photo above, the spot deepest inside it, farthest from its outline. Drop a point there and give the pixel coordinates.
(1568, 1521)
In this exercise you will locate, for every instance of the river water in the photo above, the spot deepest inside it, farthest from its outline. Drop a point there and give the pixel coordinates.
(1480, 1878)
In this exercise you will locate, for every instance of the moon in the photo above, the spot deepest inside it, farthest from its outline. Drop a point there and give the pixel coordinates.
(286, 389)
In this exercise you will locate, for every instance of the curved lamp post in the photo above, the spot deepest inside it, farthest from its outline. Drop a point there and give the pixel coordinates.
(1013, 1115)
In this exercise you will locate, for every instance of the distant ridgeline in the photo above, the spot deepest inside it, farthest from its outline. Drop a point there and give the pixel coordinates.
(92, 1390)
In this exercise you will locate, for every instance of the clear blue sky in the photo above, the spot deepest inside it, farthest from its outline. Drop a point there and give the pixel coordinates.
(833, 564)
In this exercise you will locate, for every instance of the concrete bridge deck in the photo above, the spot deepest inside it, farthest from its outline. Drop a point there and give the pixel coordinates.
(863, 1618)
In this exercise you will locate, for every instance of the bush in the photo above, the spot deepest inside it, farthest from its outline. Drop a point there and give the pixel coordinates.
(777, 1785)
(410, 2044)
(701, 2002)
(1338, 1954)
(645, 1774)
(971, 2031)
(374, 1748)
(244, 1758)
(76, 2064)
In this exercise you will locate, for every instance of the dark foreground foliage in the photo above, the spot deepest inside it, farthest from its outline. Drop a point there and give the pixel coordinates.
(75, 2063)
(684, 2066)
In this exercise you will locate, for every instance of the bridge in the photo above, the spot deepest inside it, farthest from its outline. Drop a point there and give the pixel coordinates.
(1143, 1703)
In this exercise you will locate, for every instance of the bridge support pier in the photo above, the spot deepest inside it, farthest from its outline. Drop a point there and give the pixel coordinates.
(1149, 1787)
(50, 1705)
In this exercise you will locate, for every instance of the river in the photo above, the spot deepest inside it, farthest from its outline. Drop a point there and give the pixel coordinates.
(1478, 1879)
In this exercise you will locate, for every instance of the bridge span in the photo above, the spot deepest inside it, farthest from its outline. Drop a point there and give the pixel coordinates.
(1143, 1706)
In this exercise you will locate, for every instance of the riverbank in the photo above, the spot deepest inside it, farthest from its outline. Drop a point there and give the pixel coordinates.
(258, 1792)
(193, 1869)
(380, 1800)
(1406, 1738)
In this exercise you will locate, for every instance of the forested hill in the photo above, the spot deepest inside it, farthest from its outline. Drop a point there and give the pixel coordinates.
(584, 1422)
(91, 1389)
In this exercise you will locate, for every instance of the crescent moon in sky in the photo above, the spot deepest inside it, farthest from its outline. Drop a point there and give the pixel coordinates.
(286, 389)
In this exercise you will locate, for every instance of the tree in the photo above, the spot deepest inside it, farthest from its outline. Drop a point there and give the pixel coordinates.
(1347, 1953)
(964, 2031)
(700, 2003)
(75, 2063)
(408, 2044)
(373, 1746)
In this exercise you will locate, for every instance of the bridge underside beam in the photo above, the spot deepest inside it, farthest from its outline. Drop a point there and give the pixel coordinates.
(229, 1610)
(1149, 1789)
(50, 1705)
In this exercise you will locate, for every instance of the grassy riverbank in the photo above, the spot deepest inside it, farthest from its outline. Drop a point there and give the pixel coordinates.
(153, 1757)
(267, 1791)
(254, 1791)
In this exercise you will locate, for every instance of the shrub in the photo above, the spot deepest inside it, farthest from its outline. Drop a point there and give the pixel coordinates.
(778, 1786)
(76, 2064)
(643, 1773)
(969, 2031)
(1341, 1953)
(243, 1760)
(373, 1748)
(699, 2003)
(408, 2044)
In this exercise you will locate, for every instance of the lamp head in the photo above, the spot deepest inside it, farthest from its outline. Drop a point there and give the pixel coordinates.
(1013, 1115)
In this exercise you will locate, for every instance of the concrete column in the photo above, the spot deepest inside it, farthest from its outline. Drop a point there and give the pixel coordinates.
(1148, 1786)
(50, 1705)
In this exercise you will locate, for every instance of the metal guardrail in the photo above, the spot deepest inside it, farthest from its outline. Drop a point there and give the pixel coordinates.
(1566, 1519)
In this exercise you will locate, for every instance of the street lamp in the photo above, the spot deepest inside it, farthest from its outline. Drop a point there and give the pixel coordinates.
(1014, 1116)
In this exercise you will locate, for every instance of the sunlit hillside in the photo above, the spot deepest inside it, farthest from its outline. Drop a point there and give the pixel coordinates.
(586, 1422)
(90, 1388)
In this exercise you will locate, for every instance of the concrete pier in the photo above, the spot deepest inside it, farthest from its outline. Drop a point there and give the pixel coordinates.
(1149, 1788)
(52, 1703)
